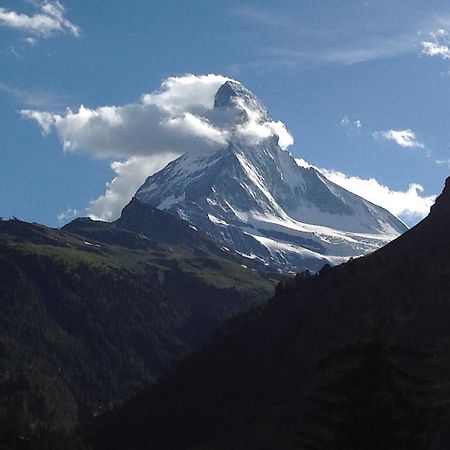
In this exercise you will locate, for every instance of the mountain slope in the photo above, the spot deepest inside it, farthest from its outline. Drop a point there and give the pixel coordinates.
(88, 317)
(252, 388)
(257, 200)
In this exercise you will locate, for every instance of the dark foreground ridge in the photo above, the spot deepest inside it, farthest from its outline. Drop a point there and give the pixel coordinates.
(356, 357)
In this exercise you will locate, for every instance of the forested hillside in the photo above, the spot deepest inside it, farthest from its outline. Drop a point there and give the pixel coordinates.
(86, 324)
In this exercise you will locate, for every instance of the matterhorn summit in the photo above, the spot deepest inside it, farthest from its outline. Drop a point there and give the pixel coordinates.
(253, 197)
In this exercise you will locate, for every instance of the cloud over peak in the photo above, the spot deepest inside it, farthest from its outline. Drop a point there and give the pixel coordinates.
(178, 118)
(186, 93)
(49, 21)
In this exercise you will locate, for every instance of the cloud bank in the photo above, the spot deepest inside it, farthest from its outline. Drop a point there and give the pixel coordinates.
(49, 21)
(142, 137)
(410, 205)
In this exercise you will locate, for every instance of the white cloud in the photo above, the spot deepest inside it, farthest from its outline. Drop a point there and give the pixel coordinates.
(405, 204)
(257, 128)
(404, 138)
(438, 45)
(410, 205)
(49, 21)
(130, 175)
(443, 162)
(45, 120)
(435, 49)
(31, 41)
(186, 93)
(302, 163)
(130, 130)
(178, 118)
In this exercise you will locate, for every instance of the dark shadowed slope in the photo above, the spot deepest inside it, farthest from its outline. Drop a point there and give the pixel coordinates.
(260, 386)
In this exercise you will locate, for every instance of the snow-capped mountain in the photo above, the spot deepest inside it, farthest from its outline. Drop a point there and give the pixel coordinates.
(256, 199)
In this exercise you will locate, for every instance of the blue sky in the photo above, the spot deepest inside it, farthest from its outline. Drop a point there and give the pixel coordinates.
(362, 86)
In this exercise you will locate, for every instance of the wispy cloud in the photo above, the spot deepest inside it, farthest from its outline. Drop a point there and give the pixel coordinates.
(346, 53)
(295, 38)
(34, 99)
(352, 33)
(45, 120)
(404, 138)
(48, 21)
(371, 49)
(262, 16)
(443, 162)
(353, 126)
(68, 214)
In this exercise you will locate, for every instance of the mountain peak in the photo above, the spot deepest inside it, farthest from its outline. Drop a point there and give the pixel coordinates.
(227, 91)
(233, 94)
(442, 204)
(255, 199)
